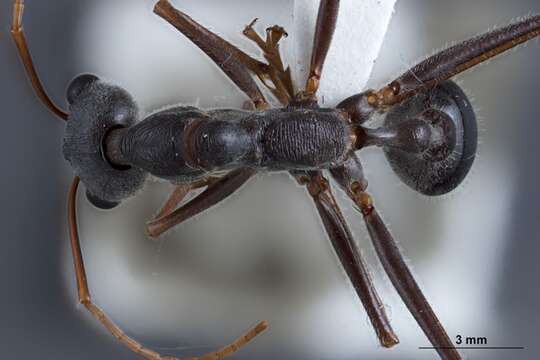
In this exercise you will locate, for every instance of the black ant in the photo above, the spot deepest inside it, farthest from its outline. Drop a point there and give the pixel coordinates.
(429, 135)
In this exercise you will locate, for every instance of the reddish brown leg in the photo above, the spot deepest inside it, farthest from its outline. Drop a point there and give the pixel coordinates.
(86, 300)
(231, 60)
(215, 193)
(454, 60)
(351, 179)
(281, 80)
(180, 192)
(347, 252)
(24, 53)
(324, 32)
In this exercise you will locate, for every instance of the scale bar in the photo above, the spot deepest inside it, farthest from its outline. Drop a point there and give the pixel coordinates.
(473, 347)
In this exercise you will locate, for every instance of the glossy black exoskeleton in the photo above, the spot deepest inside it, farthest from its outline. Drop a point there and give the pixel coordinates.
(430, 140)
(440, 148)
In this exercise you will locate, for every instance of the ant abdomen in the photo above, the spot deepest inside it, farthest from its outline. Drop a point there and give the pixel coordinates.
(95, 109)
(431, 139)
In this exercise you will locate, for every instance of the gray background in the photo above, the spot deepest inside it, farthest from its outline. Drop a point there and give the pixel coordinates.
(251, 259)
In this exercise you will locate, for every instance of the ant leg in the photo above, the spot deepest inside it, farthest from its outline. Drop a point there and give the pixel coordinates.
(282, 88)
(231, 60)
(324, 32)
(454, 60)
(86, 300)
(215, 193)
(348, 254)
(24, 53)
(350, 177)
(179, 194)
(176, 197)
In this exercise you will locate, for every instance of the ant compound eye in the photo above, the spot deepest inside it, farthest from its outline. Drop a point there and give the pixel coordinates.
(78, 84)
(435, 139)
(101, 204)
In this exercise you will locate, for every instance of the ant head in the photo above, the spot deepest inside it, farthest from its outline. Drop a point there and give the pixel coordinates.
(96, 108)
(435, 139)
